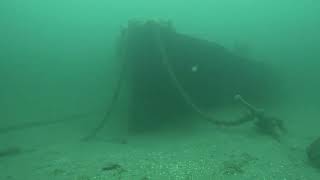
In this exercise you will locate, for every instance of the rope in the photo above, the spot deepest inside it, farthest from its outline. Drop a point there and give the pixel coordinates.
(186, 97)
(115, 96)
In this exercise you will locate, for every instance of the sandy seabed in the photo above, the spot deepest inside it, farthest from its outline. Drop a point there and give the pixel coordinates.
(206, 152)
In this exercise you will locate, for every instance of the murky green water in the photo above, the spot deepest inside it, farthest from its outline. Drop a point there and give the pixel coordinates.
(58, 72)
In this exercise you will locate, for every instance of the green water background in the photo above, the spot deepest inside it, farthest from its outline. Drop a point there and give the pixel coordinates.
(56, 57)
